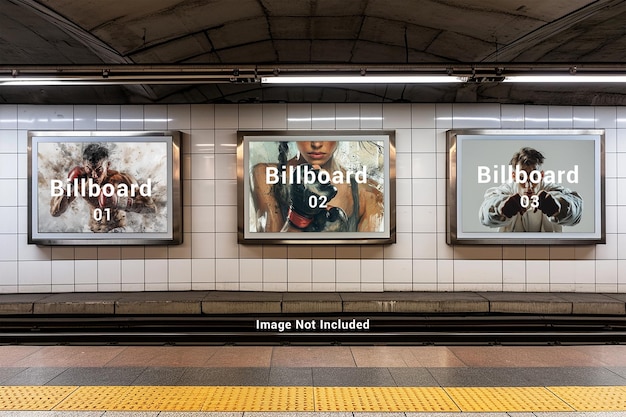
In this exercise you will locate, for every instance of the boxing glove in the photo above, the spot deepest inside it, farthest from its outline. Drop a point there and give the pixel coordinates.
(122, 203)
(76, 172)
(512, 206)
(334, 219)
(308, 199)
(548, 204)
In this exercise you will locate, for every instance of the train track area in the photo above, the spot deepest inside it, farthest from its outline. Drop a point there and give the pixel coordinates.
(312, 329)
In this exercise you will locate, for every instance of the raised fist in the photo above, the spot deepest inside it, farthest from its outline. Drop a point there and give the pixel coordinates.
(547, 204)
(512, 206)
(114, 201)
(76, 172)
(333, 219)
(307, 200)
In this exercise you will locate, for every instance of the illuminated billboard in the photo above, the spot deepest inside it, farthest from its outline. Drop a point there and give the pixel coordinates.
(104, 188)
(316, 187)
(525, 187)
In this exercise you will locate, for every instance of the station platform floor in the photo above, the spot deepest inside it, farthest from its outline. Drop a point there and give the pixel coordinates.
(281, 380)
(307, 381)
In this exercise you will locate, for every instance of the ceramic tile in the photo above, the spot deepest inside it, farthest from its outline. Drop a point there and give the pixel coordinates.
(403, 249)
(241, 357)
(225, 141)
(423, 116)
(108, 117)
(535, 117)
(512, 116)
(584, 117)
(323, 116)
(226, 116)
(155, 117)
(203, 116)
(483, 116)
(85, 117)
(202, 166)
(397, 116)
(178, 116)
(9, 243)
(250, 116)
(299, 116)
(8, 166)
(312, 357)
(424, 246)
(8, 116)
(274, 116)
(131, 117)
(202, 141)
(62, 273)
(423, 140)
(371, 116)
(34, 117)
(606, 117)
(560, 117)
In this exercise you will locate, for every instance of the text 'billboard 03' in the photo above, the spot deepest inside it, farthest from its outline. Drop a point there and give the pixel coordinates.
(525, 187)
(104, 188)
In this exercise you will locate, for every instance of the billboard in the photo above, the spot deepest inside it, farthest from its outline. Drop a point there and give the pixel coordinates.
(310, 187)
(525, 187)
(104, 188)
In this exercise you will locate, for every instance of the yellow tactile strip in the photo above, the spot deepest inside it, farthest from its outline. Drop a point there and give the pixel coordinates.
(506, 399)
(382, 399)
(593, 398)
(328, 399)
(32, 397)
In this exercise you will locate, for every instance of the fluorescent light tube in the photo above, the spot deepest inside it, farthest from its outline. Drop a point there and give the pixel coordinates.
(362, 79)
(576, 78)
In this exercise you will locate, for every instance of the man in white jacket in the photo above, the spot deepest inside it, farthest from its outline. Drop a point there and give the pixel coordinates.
(528, 203)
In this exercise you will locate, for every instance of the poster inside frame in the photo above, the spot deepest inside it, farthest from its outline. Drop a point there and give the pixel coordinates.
(104, 188)
(316, 187)
(525, 187)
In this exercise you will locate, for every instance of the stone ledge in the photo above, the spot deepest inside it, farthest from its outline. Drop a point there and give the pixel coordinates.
(233, 302)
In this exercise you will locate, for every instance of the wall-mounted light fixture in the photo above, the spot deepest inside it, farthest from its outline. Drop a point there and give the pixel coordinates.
(130, 74)
(574, 78)
(363, 79)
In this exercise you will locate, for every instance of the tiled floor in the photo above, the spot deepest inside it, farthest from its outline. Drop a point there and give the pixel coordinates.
(443, 367)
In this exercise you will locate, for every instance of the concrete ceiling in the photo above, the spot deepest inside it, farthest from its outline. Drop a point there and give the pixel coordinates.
(313, 32)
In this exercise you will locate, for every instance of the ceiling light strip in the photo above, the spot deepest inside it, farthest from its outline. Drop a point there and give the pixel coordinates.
(363, 79)
(570, 79)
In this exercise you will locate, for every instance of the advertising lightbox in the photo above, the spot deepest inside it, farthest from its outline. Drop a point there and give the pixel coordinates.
(525, 187)
(104, 188)
(326, 187)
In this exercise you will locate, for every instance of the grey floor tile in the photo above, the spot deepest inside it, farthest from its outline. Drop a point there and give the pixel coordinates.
(97, 376)
(160, 376)
(571, 376)
(479, 377)
(34, 376)
(291, 377)
(352, 377)
(225, 376)
(8, 373)
(619, 370)
(413, 377)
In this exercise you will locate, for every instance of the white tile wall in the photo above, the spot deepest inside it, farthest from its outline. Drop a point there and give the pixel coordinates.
(211, 258)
